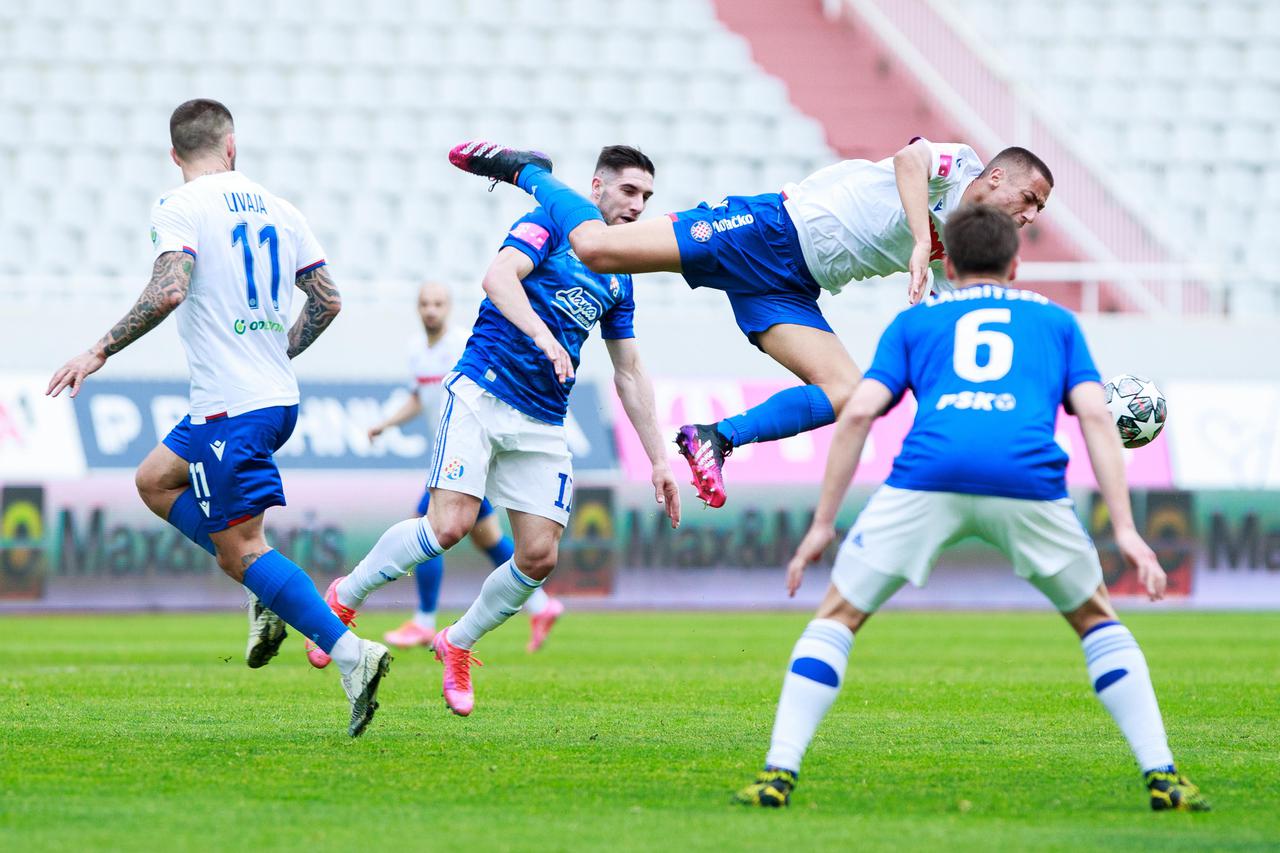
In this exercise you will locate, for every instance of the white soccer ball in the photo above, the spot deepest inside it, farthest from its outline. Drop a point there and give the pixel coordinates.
(1138, 407)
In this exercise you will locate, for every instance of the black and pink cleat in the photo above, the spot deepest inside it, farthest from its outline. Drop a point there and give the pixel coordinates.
(705, 449)
(491, 160)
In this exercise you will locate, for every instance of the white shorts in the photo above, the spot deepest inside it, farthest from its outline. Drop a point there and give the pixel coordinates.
(900, 533)
(487, 448)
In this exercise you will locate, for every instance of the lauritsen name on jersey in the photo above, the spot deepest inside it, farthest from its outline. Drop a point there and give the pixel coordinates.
(985, 291)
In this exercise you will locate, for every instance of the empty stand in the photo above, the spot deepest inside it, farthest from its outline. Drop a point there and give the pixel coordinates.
(348, 110)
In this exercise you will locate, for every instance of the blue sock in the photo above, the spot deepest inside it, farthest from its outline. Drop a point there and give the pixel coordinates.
(186, 515)
(566, 207)
(503, 551)
(786, 413)
(429, 576)
(286, 590)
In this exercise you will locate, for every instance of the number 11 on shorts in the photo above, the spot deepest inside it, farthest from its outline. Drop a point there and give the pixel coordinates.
(565, 500)
(199, 484)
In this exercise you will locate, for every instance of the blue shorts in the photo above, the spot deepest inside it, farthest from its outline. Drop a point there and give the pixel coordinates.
(747, 247)
(486, 508)
(230, 462)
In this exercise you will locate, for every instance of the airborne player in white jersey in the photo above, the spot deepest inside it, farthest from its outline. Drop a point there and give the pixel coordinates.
(773, 254)
(223, 246)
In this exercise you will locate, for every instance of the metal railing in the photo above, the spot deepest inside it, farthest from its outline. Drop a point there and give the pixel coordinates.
(1145, 265)
(1162, 287)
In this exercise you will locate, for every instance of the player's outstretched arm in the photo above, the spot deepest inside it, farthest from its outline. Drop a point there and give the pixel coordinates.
(1107, 457)
(170, 281)
(502, 284)
(911, 167)
(869, 401)
(636, 393)
(323, 304)
(411, 409)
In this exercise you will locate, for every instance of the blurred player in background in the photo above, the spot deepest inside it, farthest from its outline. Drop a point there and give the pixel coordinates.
(502, 430)
(431, 357)
(222, 243)
(773, 254)
(980, 460)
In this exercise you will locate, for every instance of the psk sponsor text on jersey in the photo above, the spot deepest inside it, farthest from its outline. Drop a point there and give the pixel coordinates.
(979, 401)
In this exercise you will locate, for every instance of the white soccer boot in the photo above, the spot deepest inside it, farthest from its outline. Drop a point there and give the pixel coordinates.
(266, 633)
(362, 683)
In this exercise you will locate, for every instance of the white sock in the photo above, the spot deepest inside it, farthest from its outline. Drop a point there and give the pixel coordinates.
(811, 684)
(393, 556)
(346, 653)
(423, 619)
(1122, 681)
(537, 602)
(504, 592)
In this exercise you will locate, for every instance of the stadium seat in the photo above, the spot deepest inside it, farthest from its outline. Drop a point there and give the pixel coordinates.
(1187, 90)
(333, 96)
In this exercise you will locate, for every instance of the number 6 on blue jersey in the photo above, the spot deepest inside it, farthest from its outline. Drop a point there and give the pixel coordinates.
(970, 335)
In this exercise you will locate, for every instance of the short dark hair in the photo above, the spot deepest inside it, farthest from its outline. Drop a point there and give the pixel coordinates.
(980, 240)
(615, 158)
(1019, 159)
(199, 125)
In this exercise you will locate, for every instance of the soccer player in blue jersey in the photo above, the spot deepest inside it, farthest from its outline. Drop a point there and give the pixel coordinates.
(432, 356)
(989, 366)
(221, 243)
(772, 254)
(502, 430)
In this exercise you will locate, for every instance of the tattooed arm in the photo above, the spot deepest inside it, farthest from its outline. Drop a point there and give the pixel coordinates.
(170, 281)
(323, 304)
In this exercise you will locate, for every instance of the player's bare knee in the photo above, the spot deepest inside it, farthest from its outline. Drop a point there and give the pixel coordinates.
(231, 564)
(1095, 611)
(450, 527)
(835, 607)
(486, 532)
(838, 392)
(537, 561)
(147, 484)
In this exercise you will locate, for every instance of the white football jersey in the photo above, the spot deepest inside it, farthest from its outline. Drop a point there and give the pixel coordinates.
(428, 366)
(851, 224)
(248, 246)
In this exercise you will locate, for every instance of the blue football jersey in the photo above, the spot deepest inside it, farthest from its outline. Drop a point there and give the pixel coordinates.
(989, 367)
(569, 298)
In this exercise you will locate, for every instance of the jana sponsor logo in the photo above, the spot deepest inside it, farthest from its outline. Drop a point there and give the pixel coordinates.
(242, 326)
(583, 308)
(454, 470)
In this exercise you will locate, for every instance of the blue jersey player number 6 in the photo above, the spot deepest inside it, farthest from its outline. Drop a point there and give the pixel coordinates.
(970, 336)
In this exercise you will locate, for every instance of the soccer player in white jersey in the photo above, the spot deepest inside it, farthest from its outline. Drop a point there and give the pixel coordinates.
(502, 431)
(223, 245)
(989, 367)
(432, 355)
(773, 254)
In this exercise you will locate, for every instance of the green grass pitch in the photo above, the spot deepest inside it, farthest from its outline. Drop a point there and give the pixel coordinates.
(628, 731)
